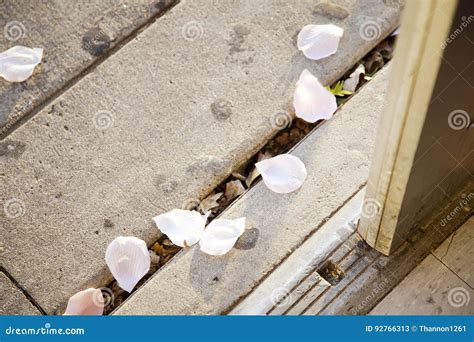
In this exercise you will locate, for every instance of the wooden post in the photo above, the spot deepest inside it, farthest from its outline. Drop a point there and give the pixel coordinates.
(424, 149)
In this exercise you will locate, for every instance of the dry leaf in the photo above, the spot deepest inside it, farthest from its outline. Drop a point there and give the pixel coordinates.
(158, 249)
(239, 176)
(373, 63)
(385, 49)
(233, 189)
(167, 242)
(253, 175)
(154, 258)
(210, 202)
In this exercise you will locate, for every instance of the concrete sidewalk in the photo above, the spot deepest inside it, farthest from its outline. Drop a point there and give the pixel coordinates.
(337, 157)
(74, 35)
(162, 121)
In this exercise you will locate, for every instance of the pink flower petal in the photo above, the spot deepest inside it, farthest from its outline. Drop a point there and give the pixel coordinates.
(319, 41)
(311, 100)
(87, 302)
(17, 64)
(128, 260)
(183, 227)
(221, 235)
(282, 174)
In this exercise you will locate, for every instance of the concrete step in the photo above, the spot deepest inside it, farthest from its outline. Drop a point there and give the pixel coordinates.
(294, 284)
(337, 157)
(74, 35)
(165, 120)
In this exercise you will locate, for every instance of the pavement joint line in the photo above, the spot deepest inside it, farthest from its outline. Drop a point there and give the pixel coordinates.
(23, 291)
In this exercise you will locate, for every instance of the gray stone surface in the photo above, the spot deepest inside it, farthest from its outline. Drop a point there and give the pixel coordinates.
(457, 252)
(139, 136)
(73, 33)
(12, 300)
(430, 289)
(337, 158)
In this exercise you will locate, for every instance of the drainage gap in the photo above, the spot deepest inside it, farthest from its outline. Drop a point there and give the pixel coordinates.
(331, 272)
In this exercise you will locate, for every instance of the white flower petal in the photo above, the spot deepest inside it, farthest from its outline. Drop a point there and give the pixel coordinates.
(282, 174)
(319, 41)
(18, 63)
(87, 302)
(351, 83)
(221, 235)
(183, 227)
(311, 100)
(128, 260)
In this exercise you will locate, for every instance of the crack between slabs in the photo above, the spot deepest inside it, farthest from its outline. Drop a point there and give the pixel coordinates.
(451, 271)
(23, 291)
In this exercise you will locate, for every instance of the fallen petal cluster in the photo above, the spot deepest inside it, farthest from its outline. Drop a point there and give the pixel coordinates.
(127, 257)
(183, 227)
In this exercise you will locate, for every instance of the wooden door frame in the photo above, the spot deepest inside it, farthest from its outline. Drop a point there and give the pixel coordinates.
(403, 128)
